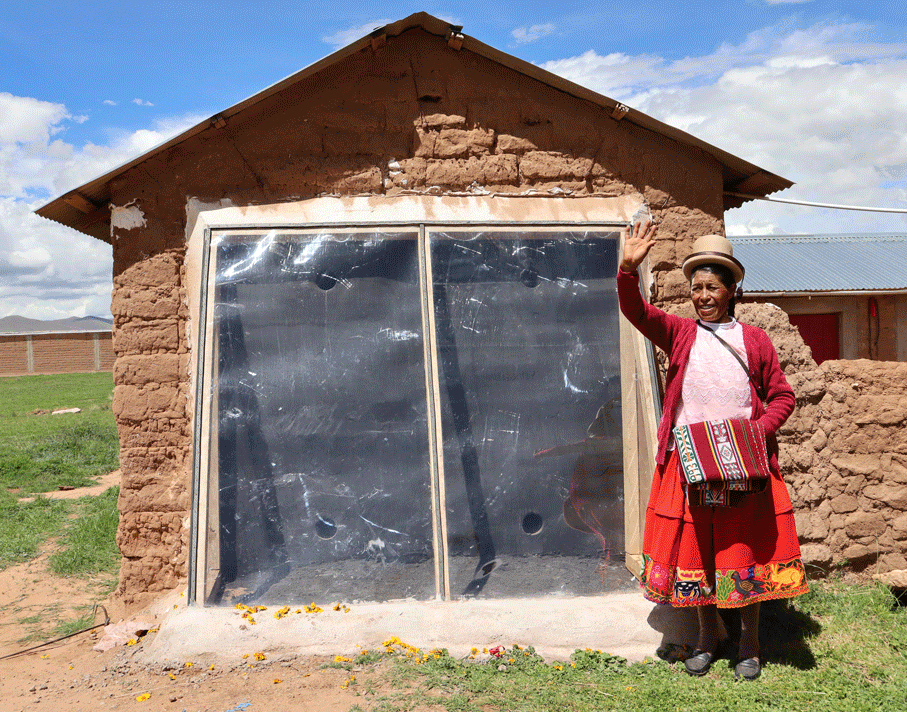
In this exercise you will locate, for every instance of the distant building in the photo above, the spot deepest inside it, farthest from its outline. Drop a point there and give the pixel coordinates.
(74, 345)
(847, 294)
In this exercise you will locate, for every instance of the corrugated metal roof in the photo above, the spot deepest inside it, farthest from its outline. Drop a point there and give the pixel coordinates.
(823, 263)
(86, 208)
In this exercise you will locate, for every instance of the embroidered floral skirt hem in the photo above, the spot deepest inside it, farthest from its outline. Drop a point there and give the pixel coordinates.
(727, 556)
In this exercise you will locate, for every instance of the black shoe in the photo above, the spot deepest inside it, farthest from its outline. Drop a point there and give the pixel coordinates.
(748, 669)
(700, 661)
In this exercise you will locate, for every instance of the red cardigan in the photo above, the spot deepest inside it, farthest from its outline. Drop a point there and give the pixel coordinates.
(675, 336)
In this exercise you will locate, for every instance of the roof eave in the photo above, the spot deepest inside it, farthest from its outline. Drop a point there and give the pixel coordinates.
(87, 209)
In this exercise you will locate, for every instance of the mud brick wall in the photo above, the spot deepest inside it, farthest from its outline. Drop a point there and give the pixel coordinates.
(845, 455)
(55, 353)
(412, 117)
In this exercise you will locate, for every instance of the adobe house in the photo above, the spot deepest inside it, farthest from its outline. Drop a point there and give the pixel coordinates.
(847, 308)
(366, 328)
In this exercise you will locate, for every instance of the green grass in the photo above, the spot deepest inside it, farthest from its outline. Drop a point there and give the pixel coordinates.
(88, 545)
(74, 625)
(40, 453)
(24, 394)
(86, 529)
(25, 526)
(838, 648)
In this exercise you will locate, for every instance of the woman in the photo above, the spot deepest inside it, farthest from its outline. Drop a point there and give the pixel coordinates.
(713, 556)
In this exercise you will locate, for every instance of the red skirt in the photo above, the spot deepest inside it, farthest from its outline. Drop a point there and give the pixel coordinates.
(727, 556)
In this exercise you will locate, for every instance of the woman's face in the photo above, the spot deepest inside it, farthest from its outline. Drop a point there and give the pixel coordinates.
(710, 296)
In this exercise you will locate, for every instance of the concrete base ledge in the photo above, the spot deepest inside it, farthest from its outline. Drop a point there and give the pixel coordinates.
(623, 624)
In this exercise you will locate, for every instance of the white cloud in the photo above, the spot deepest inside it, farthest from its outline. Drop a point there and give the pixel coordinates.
(24, 120)
(109, 102)
(525, 35)
(825, 107)
(30, 258)
(36, 164)
(142, 102)
(342, 38)
(32, 282)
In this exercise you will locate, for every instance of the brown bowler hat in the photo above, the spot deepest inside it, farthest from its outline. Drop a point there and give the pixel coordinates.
(713, 249)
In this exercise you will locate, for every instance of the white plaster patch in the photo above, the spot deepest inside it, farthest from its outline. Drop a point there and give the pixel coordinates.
(126, 217)
(194, 206)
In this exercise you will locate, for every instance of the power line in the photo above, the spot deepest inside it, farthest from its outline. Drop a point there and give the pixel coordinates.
(817, 205)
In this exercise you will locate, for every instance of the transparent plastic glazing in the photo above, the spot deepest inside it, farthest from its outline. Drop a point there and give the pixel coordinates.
(328, 354)
(527, 338)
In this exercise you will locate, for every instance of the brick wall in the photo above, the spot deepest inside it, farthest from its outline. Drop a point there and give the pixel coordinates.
(23, 354)
(13, 355)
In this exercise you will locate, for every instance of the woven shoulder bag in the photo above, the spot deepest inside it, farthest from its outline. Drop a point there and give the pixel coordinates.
(722, 460)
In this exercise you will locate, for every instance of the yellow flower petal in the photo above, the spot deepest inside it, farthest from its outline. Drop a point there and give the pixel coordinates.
(144, 696)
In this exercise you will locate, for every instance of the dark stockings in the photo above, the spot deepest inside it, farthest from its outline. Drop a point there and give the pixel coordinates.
(711, 630)
(749, 631)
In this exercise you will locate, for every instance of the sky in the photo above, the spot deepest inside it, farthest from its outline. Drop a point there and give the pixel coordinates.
(813, 91)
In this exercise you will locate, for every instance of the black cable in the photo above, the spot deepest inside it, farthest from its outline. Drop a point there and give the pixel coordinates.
(57, 640)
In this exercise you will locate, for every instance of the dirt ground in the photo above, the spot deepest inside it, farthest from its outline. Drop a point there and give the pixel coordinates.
(70, 676)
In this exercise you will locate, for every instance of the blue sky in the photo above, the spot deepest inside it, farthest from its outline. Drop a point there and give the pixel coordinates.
(813, 91)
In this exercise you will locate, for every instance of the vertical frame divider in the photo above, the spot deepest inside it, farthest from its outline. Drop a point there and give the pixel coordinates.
(641, 413)
(633, 517)
(435, 436)
(200, 453)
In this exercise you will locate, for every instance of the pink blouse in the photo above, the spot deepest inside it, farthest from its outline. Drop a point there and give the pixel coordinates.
(715, 386)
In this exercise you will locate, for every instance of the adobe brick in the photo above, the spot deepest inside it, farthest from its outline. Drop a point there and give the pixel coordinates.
(155, 498)
(146, 337)
(146, 303)
(551, 165)
(507, 143)
(442, 121)
(152, 271)
(139, 370)
(137, 403)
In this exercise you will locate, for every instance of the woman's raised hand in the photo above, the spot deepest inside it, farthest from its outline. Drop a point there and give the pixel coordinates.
(637, 245)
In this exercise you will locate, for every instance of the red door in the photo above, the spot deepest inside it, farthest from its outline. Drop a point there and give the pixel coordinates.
(821, 332)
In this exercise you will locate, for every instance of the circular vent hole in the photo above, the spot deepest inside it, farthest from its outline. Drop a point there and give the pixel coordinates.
(325, 528)
(530, 278)
(325, 282)
(532, 523)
